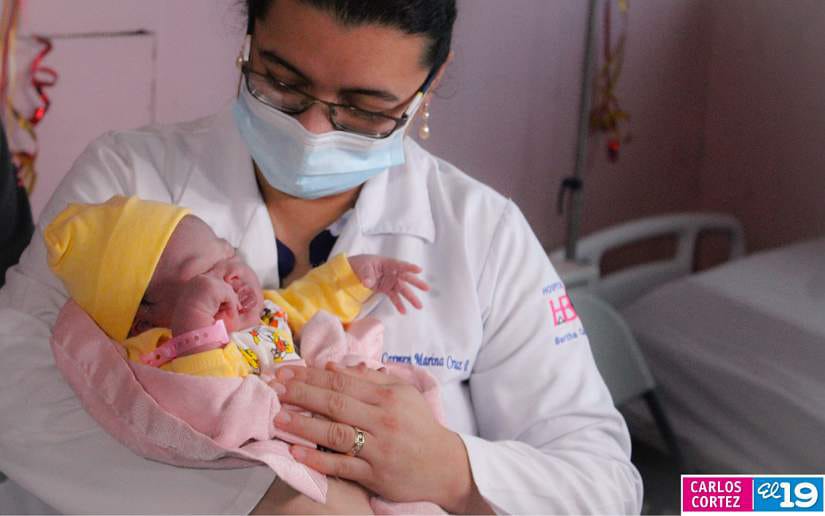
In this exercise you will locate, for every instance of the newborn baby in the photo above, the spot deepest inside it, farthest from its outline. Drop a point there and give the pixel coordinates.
(158, 280)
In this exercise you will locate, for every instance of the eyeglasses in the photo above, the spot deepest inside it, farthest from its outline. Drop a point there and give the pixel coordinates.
(344, 117)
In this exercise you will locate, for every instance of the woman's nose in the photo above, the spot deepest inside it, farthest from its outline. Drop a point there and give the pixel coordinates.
(316, 119)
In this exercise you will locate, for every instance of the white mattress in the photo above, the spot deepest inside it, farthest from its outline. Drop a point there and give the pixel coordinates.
(739, 355)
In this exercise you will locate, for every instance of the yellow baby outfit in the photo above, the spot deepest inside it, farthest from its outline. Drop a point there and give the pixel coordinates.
(332, 287)
(91, 245)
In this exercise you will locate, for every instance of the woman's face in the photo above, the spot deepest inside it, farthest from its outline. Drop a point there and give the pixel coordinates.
(368, 66)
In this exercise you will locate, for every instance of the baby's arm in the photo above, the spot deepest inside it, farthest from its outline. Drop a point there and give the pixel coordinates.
(390, 277)
(202, 302)
(338, 288)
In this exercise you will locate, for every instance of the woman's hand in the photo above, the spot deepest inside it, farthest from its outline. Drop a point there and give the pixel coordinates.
(408, 456)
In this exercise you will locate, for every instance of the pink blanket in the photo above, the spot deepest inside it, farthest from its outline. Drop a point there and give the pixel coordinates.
(209, 422)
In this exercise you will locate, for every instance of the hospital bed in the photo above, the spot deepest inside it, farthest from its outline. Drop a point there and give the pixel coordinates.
(737, 350)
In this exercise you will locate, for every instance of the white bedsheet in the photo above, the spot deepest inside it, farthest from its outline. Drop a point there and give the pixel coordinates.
(739, 354)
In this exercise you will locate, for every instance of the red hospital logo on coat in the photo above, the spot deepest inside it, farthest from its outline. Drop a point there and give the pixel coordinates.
(560, 305)
(563, 311)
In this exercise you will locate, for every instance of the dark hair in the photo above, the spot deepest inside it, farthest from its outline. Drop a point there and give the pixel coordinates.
(435, 18)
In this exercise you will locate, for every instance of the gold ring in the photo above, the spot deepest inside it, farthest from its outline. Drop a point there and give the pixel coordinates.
(360, 441)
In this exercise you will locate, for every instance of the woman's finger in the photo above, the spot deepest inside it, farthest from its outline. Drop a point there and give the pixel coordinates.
(335, 405)
(338, 379)
(380, 377)
(340, 437)
(334, 464)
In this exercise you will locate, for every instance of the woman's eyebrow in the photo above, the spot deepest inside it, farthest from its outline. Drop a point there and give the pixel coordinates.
(272, 57)
(381, 94)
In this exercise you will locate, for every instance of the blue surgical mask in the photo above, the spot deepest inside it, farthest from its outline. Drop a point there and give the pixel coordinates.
(300, 163)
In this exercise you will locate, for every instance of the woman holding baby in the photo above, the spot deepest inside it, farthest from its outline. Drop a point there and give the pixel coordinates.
(313, 159)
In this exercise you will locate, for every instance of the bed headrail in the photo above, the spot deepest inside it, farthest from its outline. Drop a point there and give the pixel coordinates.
(622, 287)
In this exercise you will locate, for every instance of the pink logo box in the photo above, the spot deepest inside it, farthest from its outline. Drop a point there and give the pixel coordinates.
(717, 494)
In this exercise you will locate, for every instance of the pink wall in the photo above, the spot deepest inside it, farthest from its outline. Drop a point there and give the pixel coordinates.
(510, 108)
(663, 88)
(506, 114)
(765, 120)
(183, 68)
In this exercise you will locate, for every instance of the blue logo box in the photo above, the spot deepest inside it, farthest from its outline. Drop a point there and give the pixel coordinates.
(787, 494)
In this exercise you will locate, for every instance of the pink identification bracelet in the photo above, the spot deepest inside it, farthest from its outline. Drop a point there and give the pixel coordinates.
(195, 341)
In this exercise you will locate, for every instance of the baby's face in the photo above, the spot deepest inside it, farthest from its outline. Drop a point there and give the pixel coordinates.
(193, 250)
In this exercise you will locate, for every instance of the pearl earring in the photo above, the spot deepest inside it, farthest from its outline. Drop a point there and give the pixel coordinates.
(424, 128)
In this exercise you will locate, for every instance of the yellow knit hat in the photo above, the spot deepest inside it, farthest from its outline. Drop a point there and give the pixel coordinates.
(106, 254)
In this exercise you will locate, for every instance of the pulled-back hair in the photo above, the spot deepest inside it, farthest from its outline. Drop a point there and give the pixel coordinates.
(433, 18)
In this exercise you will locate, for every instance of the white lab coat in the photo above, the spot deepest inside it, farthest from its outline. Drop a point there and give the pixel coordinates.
(522, 390)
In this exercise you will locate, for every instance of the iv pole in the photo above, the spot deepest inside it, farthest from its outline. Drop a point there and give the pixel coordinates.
(574, 183)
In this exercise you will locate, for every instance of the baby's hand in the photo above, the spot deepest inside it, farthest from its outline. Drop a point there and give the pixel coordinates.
(203, 300)
(390, 277)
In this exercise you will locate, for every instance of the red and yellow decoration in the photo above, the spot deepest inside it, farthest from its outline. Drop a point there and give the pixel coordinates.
(40, 78)
(607, 116)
